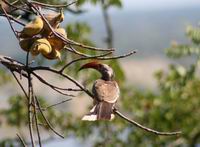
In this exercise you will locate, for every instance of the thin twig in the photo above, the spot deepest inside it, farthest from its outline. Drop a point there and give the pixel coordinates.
(98, 57)
(20, 84)
(35, 117)
(15, 2)
(143, 127)
(30, 96)
(73, 50)
(16, 7)
(10, 23)
(86, 46)
(53, 105)
(36, 122)
(14, 19)
(65, 76)
(30, 93)
(52, 86)
(21, 140)
(53, 6)
(46, 120)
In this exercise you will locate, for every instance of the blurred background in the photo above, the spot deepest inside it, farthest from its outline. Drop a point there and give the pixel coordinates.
(159, 85)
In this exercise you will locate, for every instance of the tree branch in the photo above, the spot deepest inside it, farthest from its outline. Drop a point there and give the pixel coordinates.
(30, 96)
(143, 127)
(21, 140)
(53, 105)
(46, 120)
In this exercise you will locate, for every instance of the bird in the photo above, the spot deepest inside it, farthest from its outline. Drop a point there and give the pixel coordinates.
(106, 93)
(32, 28)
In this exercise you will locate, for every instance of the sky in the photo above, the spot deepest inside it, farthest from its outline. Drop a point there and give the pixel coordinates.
(158, 4)
(153, 4)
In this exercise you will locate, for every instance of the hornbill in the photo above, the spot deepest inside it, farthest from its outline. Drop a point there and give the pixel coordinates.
(105, 91)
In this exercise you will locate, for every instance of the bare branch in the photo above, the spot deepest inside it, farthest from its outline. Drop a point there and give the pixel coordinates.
(65, 76)
(20, 84)
(83, 58)
(53, 6)
(46, 120)
(10, 23)
(98, 57)
(53, 105)
(16, 7)
(52, 86)
(36, 121)
(143, 127)
(30, 96)
(21, 140)
(14, 19)
(35, 117)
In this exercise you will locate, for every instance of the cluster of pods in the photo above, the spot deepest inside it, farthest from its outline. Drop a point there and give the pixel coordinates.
(37, 37)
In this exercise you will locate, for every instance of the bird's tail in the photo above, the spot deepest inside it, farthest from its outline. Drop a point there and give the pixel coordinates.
(101, 111)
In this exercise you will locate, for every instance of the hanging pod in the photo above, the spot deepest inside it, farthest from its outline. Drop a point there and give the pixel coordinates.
(54, 20)
(55, 54)
(56, 42)
(41, 46)
(32, 28)
(26, 43)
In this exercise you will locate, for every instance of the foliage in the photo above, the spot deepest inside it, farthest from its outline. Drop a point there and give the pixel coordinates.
(107, 3)
(178, 50)
(4, 77)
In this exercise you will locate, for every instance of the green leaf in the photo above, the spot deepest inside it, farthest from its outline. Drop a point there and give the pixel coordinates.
(4, 77)
(193, 34)
(177, 51)
(94, 1)
(80, 2)
(116, 3)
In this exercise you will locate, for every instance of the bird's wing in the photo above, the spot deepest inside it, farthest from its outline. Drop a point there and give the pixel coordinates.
(106, 91)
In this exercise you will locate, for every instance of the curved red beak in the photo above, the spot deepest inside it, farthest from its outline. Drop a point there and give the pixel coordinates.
(94, 65)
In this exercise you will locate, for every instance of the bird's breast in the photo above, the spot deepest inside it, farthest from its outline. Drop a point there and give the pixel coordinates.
(106, 91)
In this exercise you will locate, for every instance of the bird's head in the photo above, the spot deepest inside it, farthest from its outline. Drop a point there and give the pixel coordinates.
(105, 70)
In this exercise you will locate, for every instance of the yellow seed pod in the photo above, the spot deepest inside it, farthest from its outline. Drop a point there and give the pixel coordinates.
(53, 55)
(54, 20)
(32, 28)
(56, 42)
(62, 32)
(41, 46)
(26, 44)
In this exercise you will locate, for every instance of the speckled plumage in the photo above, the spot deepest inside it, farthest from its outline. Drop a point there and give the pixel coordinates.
(107, 91)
